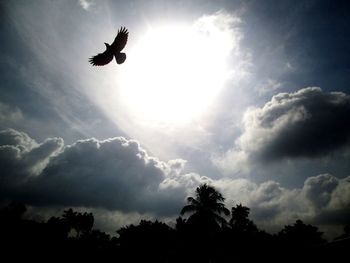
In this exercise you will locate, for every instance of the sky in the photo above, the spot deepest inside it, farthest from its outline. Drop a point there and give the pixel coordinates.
(251, 97)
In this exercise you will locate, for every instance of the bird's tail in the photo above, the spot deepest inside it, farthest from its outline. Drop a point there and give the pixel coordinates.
(120, 57)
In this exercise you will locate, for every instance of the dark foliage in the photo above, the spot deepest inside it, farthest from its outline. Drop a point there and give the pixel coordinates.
(70, 235)
(300, 235)
(147, 242)
(205, 236)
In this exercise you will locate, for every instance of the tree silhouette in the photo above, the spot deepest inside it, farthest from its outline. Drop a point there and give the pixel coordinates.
(346, 233)
(301, 235)
(81, 223)
(58, 228)
(202, 237)
(207, 207)
(70, 217)
(180, 224)
(84, 223)
(200, 234)
(239, 219)
(12, 213)
(147, 242)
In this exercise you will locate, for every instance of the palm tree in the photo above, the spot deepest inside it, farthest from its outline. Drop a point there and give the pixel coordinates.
(207, 207)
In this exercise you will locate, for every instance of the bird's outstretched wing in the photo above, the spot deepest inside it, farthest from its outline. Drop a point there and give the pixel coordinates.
(101, 59)
(121, 39)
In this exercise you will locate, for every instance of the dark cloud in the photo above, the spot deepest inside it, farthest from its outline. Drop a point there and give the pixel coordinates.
(318, 190)
(115, 174)
(306, 123)
(22, 157)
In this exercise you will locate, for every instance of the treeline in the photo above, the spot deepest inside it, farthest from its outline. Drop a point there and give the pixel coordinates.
(203, 236)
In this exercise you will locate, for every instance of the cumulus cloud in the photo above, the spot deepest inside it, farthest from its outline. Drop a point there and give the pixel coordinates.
(318, 190)
(115, 174)
(21, 157)
(308, 123)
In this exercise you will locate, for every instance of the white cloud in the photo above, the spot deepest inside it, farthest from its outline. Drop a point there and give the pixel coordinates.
(322, 200)
(86, 4)
(225, 26)
(270, 85)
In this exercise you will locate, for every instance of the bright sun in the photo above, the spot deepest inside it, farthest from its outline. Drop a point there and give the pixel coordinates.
(173, 73)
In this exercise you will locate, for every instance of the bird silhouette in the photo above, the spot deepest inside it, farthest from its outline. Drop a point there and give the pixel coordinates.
(118, 44)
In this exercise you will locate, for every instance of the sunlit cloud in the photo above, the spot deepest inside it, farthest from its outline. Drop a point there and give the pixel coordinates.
(269, 86)
(86, 4)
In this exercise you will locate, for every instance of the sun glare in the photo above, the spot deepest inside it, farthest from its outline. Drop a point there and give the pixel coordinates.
(174, 72)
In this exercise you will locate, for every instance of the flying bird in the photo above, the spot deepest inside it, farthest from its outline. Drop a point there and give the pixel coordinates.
(112, 50)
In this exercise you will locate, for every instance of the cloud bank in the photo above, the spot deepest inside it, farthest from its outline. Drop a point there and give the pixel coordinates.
(115, 174)
(308, 123)
(118, 176)
(323, 200)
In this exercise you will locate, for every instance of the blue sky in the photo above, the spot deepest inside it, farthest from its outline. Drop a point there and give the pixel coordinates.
(249, 96)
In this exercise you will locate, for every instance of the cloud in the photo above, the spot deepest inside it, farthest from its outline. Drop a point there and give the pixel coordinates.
(318, 190)
(270, 85)
(114, 174)
(322, 200)
(86, 4)
(225, 26)
(21, 157)
(308, 123)
(272, 206)
(117, 176)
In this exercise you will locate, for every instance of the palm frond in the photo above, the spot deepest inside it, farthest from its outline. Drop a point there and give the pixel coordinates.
(220, 220)
(192, 201)
(188, 209)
